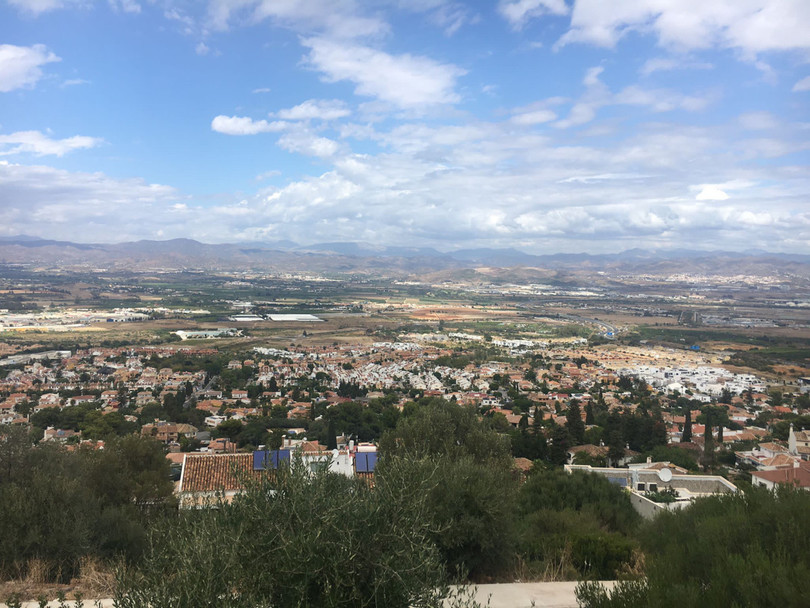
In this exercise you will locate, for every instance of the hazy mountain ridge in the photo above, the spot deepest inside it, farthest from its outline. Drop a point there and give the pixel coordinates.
(348, 257)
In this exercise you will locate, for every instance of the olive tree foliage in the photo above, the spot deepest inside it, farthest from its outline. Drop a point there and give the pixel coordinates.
(298, 539)
(740, 550)
(59, 507)
(472, 488)
(443, 428)
(575, 525)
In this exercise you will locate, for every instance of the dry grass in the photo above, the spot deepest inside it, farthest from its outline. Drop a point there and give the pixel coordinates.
(95, 580)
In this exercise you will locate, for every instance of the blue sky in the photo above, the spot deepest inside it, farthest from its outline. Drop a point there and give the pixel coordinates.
(544, 125)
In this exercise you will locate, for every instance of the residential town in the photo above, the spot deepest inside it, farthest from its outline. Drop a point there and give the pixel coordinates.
(316, 399)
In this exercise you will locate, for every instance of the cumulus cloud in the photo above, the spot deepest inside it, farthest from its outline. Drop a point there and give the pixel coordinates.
(753, 26)
(711, 193)
(244, 125)
(304, 142)
(61, 204)
(316, 109)
(21, 66)
(483, 184)
(406, 81)
(35, 142)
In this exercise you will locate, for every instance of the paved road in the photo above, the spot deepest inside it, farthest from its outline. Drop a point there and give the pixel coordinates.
(504, 595)
(529, 595)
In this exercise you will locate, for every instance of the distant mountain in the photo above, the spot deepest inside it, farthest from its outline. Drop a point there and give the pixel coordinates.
(370, 250)
(366, 258)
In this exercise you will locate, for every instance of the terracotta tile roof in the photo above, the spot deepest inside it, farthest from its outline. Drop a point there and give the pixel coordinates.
(798, 476)
(773, 447)
(216, 472)
(176, 457)
(598, 451)
(780, 460)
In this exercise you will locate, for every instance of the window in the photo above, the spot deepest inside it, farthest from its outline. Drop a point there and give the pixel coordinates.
(641, 487)
(317, 467)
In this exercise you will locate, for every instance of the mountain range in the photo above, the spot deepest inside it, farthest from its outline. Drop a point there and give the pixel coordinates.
(366, 258)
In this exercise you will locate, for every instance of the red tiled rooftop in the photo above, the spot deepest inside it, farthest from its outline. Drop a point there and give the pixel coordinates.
(216, 472)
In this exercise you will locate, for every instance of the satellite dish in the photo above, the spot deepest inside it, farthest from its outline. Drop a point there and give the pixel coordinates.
(665, 474)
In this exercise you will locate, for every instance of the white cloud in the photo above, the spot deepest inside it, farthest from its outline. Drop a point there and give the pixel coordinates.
(802, 85)
(74, 82)
(261, 90)
(244, 125)
(317, 109)
(752, 26)
(36, 143)
(446, 14)
(335, 18)
(598, 95)
(659, 100)
(21, 66)
(534, 117)
(306, 143)
(202, 49)
(61, 204)
(519, 12)
(125, 6)
(482, 184)
(755, 121)
(267, 175)
(407, 81)
(667, 64)
(711, 193)
(36, 7)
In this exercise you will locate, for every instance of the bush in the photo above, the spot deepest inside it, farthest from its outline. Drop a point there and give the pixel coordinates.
(58, 507)
(298, 540)
(745, 550)
(575, 526)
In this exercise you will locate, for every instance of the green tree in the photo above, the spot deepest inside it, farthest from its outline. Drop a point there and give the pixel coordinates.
(686, 436)
(574, 423)
(589, 416)
(339, 542)
(745, 550)
(472, 488)
(575, 524)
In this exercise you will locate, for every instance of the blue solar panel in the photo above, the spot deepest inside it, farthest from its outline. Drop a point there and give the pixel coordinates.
(260, 460)
(279, 456)
(269, 459)
(365, 462)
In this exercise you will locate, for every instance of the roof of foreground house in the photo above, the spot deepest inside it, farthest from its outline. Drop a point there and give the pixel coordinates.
(216, 472)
